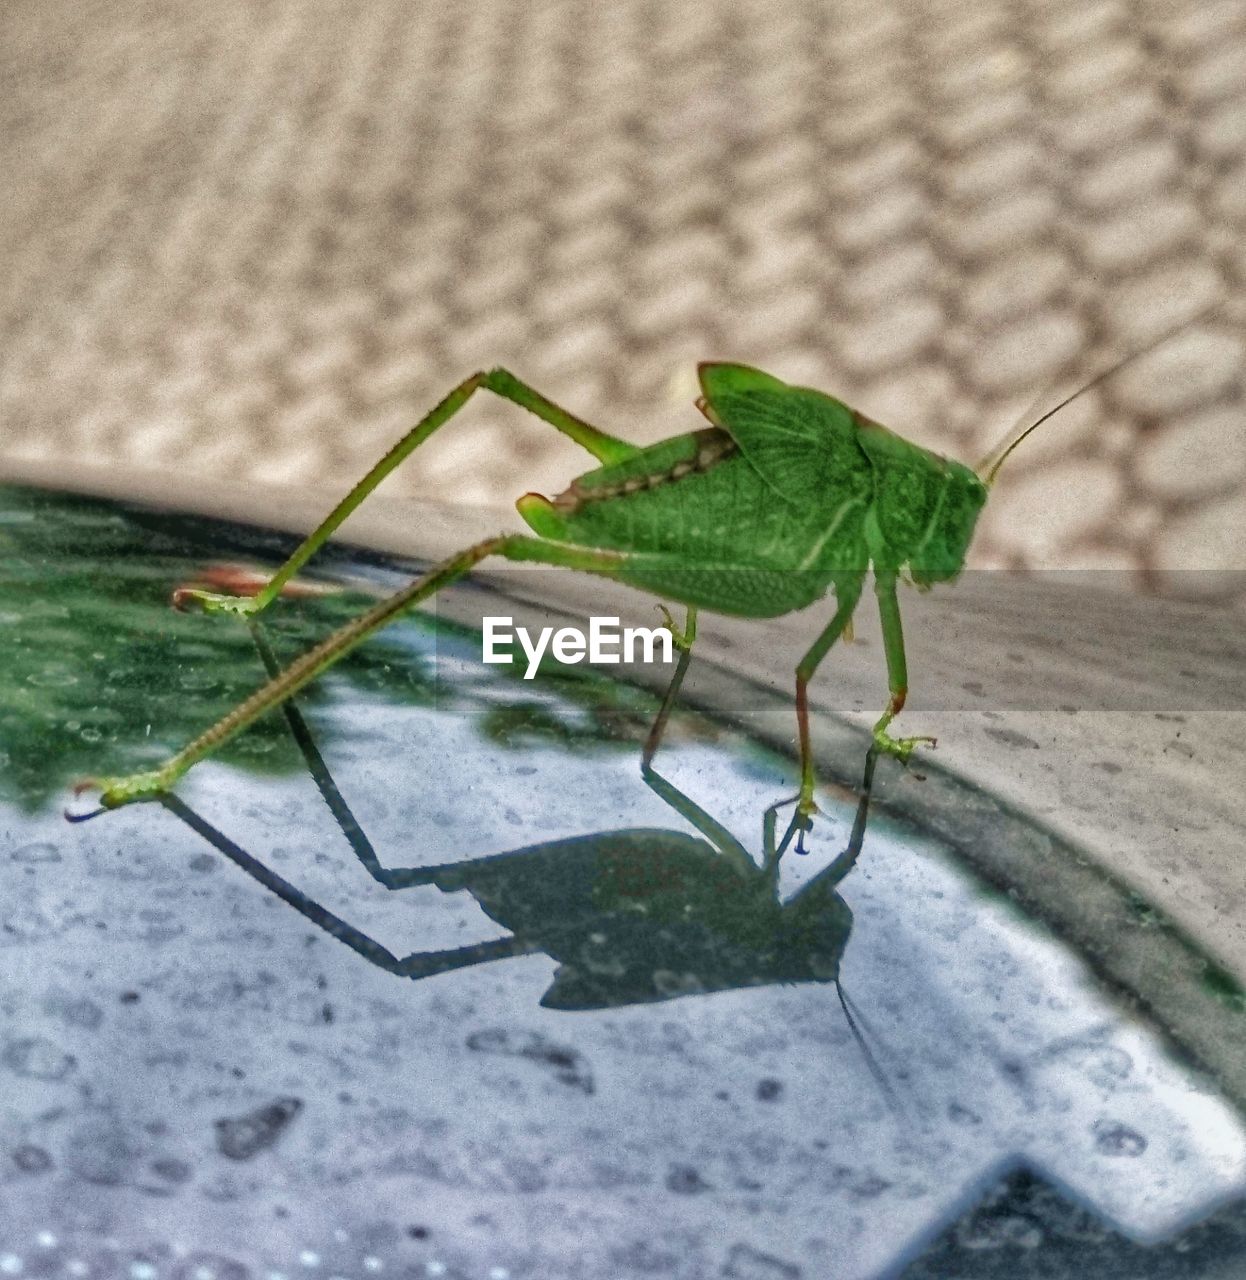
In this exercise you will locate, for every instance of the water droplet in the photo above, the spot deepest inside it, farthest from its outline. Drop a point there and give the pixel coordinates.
(37, 1058)
(198, 679)
(32, 1159)
(51, 677)
(1105, 1065)
(1115, 1139)
(958, 1114)
(40, 852)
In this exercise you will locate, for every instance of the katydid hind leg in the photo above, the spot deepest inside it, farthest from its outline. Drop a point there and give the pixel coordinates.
(416, 965)
(501, 382)
(326, 784)
(897, 670)
(307, 907)
(153, 783)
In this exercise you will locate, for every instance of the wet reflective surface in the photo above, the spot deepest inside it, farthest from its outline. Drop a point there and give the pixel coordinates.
(616, 1048)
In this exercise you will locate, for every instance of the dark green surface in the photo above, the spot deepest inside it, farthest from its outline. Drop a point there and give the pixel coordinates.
(101, 676)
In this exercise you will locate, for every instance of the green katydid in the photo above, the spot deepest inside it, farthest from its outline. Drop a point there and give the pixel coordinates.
(786, 495)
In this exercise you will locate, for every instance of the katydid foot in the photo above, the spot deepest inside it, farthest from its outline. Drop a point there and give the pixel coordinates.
(184, 598)
(132, 789)
(237, 589)
(682, 637)
(802, 819)
(901, 748)
(242, 591)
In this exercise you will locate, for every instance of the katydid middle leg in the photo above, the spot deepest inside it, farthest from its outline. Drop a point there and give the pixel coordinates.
(847, 593)
(605, 448)
(845, 861)
(683, 642)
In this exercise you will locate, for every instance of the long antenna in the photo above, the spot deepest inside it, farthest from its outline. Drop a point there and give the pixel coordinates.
(1110, 372)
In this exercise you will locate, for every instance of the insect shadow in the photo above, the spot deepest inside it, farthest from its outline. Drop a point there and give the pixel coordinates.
(631, 916)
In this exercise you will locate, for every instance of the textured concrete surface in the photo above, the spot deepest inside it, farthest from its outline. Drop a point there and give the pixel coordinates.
(253, 241)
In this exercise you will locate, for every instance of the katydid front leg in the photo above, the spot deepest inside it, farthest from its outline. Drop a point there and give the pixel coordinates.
(897, 670)
(605, 448)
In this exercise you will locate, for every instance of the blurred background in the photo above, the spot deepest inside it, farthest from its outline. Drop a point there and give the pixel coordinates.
(254, 241)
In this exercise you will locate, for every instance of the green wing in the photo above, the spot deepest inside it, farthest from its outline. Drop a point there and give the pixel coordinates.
(756, 516)
(801, 442)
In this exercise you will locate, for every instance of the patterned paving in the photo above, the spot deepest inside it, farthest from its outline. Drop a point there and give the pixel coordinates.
(256, 240)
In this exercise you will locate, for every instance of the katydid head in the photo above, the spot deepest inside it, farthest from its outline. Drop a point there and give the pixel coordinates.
(942, 555)
(925, 506)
